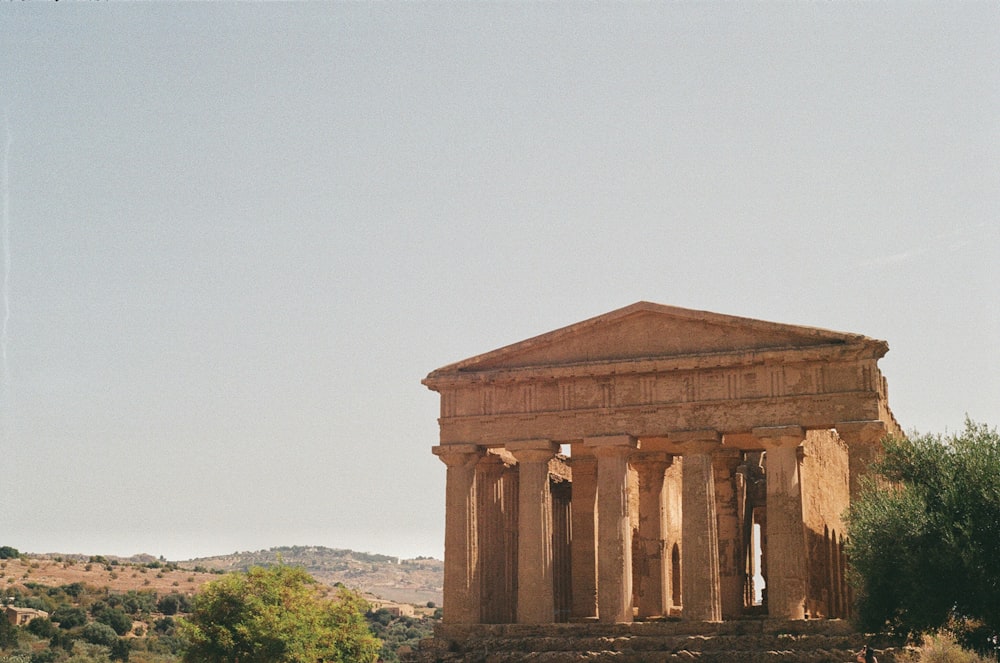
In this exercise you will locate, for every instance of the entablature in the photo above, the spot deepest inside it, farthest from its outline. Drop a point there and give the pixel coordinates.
(834, 352)
(812, 411)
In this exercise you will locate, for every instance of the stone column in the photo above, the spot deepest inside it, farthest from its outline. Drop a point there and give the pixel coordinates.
(651, 556)
(732, 565)
(862, 439)
(535, 596)
(511, 495)
(493, 497)
(699, 527)
(562, 570)
(786, 543)
(584, 541)
(461, 546)
(614, 533)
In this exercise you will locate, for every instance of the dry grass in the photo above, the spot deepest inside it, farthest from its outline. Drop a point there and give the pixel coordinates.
(940, 648)
(121, 578)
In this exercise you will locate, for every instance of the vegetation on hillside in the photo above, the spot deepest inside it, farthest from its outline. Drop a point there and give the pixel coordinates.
(923, 538)
(91, 623)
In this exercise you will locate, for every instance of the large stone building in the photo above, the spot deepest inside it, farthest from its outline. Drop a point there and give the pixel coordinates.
(656, 462)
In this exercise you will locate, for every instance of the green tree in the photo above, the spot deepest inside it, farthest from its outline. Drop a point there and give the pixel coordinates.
(923, 540)
(99, 634)
(116, 618)
(277, 615)
(69, 617)
(41, 627)
(6, 552)
(8, 633)
(171, 604)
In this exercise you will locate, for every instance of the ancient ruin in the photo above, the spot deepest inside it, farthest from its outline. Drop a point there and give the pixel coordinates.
(656, 463)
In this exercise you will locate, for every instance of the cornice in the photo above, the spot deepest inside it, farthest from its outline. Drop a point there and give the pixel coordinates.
(866, 349)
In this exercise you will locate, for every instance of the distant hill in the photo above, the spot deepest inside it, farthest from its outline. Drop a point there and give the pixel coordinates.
(416, 580)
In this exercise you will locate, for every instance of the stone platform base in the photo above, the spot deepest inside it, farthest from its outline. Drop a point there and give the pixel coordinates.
(745, 641)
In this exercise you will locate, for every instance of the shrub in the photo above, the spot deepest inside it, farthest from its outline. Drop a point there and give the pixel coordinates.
(164, 625)
(173, 603)
(73, 589)
(99, 634)
(69, 617)
(940, 648)
(41, 627)
(8, 633)
(116, 619)
(44, 656)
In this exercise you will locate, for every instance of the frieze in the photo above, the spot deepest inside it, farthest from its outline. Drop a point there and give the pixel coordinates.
(809, 411)
(614, 391)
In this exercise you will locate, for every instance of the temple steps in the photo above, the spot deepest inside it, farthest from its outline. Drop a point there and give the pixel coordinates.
(751, 641)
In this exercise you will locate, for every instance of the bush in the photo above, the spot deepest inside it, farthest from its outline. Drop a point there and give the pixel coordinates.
(173, 603)
(164, 625)
(74, 589)
(6, 552)
(62, 640)
(8, 633)
(940, 648)
(116, 619)
(69, 617)
(99, 634)
(41, 627)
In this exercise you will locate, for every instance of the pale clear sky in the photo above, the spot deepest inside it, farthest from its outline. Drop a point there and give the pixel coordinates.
(237, 235)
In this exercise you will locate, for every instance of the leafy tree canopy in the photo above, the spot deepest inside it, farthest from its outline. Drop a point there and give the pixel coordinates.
(69, 617)
(924, 540)
(277, 615)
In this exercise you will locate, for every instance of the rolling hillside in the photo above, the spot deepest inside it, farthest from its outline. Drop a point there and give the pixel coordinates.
(403, 580)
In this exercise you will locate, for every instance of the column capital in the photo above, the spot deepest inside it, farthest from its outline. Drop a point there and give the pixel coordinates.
(865, 432)
(454, 455)
(780, 436)
(703, 441)
(532, 451)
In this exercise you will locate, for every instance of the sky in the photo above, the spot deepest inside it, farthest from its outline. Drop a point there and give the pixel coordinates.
(236, 236)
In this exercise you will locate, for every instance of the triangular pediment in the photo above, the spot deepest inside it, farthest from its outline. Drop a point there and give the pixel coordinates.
(651, 331)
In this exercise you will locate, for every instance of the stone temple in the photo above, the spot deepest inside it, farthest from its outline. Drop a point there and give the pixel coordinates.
(655, 464)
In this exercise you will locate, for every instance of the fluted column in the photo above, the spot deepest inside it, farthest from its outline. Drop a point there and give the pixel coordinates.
(731, 558)
(614, 534)
(651, 557)
(535, 596)
(461, 546)
(862, 439)
(699, 527)
(493, 497)
(786, 544)
(584, 541)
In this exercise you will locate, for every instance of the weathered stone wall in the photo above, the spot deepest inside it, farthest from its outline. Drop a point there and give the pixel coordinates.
(825, 498)
(746, 641)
